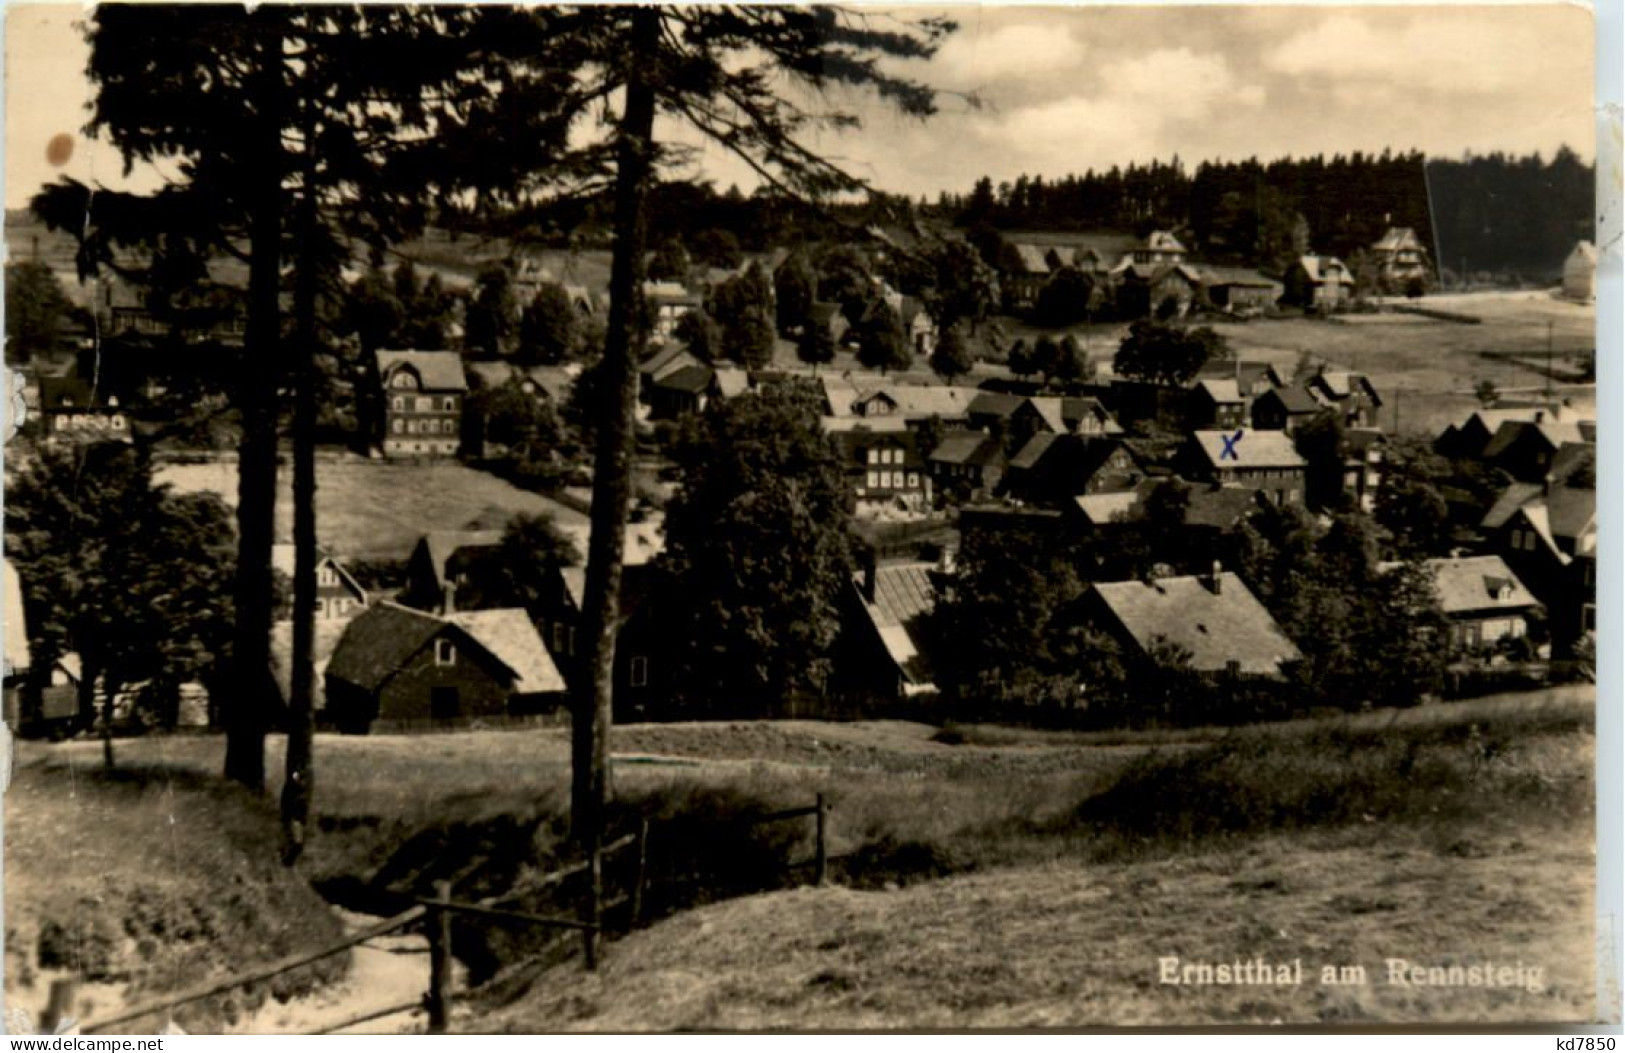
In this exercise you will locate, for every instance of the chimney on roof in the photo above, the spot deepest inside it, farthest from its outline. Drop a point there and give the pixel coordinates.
(1540, 416)
(945, 560)
(1215, 579)
(869, 559)
(1546, 485)
(448, 597)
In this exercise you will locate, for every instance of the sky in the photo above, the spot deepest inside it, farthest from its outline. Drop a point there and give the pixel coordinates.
(1064, 89)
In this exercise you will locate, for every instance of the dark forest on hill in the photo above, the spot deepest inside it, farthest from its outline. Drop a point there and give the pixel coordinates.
(1496, 214)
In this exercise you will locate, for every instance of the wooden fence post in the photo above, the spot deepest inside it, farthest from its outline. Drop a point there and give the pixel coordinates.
(823, 844)
(642, 875)
(439, 925)
(60, 1007)
(595, 908)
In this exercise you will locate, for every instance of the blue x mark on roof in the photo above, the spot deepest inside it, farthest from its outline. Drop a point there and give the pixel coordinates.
(1229, 452)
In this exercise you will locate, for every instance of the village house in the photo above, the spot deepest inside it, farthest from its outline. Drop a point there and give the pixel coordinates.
(642, 669)
(72, 411)
(968, 461)
(871, 398)
(446, 561)
(338, 594)
(1212, 618)
(667, 302)
(1547, 533)
(1284, 408)
(1401, 259)
(1023, 273)
(1320, 282)
(1364, 453)
(1161, 290)
(885, 649)
(1527, 449)
(1051, 469)
(885, 472)
(1262, 460)
(1239, 290)
(690, 388)
(421, 395)
(399, 666)
(1026, 415)
(1352, 395)
(1217, 402)
(1482, 600)
(918, 326)
(1213, 519)
(1468, 438)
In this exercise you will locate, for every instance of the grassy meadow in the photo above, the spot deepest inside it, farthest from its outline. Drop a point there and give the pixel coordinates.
(989, 876)
(371, 509)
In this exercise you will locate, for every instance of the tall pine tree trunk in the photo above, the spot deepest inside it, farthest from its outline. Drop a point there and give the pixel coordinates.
(246, 715)
(612, 468)
(299, 782)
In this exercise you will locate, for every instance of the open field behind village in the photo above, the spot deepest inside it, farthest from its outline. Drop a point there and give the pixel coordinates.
(993, 876)
(369, 509)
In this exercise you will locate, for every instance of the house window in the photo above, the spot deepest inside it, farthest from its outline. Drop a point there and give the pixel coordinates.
(403, 380)
(433, 426)
(448, 404)
(913, 479)
(874, 458)
(398, 404)
(640, 671)
(445, 653)
(118, 422)
(397, 425)
(874, 480)
(325, 576)
(423, 404)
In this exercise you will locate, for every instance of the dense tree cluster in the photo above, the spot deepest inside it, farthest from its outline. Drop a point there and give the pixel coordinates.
(134, 579)
(1495, 213)
(756, 556)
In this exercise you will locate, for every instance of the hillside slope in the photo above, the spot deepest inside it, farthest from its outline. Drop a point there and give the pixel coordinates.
(1066, 945)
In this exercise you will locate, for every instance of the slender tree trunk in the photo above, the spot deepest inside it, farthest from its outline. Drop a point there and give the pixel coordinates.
(300, 780)
(109, 689)
(246, 716)
(612, 468)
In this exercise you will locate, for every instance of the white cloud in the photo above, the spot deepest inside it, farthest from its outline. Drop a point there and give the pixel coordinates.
(1180, 84)
(1439, 53)
(972, 58)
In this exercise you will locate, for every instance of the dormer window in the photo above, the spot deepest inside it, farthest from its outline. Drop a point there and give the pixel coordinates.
(445, 652)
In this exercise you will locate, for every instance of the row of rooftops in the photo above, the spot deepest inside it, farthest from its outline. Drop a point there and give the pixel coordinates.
(1213, 617)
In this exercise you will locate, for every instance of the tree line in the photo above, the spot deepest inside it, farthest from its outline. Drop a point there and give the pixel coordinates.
(1496, 213)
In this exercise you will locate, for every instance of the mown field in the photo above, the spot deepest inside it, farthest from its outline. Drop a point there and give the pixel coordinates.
(371, 509)
(991, 876)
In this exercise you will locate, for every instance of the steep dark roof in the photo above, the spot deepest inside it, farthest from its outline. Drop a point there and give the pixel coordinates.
(975, 448)
(994, 404)
(689, 379)
(1295, 399)
(378, 640)
(1033, 452)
